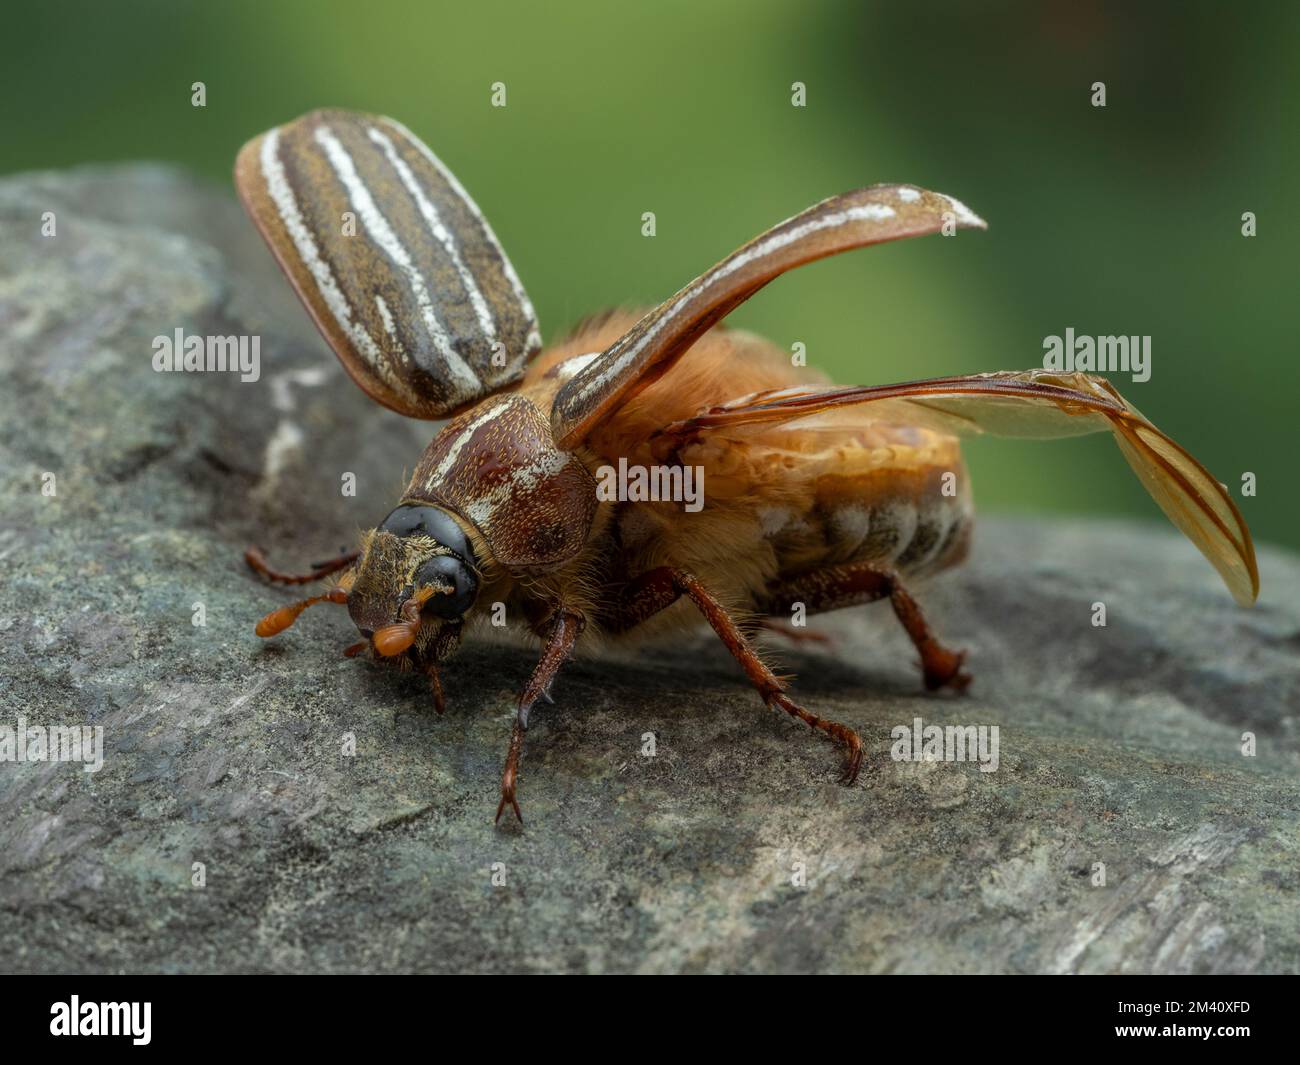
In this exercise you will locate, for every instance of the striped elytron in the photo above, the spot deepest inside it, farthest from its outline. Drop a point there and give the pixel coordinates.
(814, 494)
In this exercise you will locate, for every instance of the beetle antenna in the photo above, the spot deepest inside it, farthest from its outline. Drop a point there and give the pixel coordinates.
(278, 620)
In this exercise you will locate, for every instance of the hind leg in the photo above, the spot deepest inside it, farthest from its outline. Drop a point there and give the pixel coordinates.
(864, 582)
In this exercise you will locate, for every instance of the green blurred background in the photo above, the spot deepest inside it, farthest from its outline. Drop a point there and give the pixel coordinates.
(1115, 220)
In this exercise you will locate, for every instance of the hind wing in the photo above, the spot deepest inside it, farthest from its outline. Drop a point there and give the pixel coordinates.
(1034, 404)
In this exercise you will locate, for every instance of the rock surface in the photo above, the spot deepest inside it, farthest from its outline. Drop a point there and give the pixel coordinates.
(1119, 745)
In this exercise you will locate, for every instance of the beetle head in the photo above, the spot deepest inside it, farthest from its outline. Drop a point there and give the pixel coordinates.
(415, 581)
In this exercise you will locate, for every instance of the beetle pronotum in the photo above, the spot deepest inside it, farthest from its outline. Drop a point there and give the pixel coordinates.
(815, 494)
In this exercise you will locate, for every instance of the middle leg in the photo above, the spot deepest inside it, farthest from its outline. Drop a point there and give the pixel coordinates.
(658, 589)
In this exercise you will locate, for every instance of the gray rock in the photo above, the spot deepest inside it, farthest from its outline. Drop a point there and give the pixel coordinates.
(1118, 745)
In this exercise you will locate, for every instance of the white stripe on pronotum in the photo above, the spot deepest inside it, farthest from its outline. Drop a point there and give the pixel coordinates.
(462, 380)
(534, 340)
(494, 410)
(277, 185)
(440, 233)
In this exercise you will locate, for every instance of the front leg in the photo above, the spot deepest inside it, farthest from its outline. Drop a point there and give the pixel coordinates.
(566, 626)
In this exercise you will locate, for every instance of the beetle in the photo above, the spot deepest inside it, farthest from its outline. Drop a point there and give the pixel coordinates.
(814, 494)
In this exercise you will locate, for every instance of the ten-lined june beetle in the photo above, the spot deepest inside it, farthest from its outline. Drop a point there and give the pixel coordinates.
(813, 494)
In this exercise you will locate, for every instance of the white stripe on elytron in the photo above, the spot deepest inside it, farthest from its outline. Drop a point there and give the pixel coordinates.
(440, 233)
(453, 453)
(574, 363)
(964, 213)
(462, 381)
(594, 378)
(534, 340)
(597, 376)
(277, 185)
(390, 327)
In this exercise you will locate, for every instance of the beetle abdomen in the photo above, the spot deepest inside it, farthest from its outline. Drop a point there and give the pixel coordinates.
(911, 536)
(914, 519)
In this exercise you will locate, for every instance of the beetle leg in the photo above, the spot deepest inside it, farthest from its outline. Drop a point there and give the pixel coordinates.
(511, 773)
(435, 684)
(769, 685)
(257, 562)
(640, 599)
(793, 634)
(565, 630)
(862, 582)
(658, 589)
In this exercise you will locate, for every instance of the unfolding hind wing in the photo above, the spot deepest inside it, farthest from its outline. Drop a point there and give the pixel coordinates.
(1033, 404)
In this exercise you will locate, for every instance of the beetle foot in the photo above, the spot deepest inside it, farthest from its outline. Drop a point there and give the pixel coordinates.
(840, 733)
(942, 668)
(511, 774)
(508, 798)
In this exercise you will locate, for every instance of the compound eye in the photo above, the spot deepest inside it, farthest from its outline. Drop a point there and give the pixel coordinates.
(444, 570)
(414, 520)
